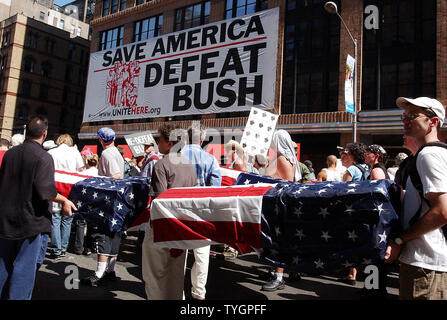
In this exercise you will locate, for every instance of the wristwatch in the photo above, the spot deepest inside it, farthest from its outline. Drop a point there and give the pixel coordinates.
(398, 241)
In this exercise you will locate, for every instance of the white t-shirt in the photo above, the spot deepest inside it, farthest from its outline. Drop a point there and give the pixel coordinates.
(430, 250)
(332, 175)
(92, 171)
(66, 159)
(111, 162)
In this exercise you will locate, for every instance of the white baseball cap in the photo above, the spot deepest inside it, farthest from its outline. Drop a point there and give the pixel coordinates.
(426, 103)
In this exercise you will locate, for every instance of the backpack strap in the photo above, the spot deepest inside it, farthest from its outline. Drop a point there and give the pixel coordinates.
(417, 182)
(363, 170)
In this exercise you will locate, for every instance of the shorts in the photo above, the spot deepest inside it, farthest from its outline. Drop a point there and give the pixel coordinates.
(107, 244)
(421, 284)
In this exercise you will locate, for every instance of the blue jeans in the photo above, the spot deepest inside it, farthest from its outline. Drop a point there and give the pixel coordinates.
(18, 260)
(42, 250)
(60, 232)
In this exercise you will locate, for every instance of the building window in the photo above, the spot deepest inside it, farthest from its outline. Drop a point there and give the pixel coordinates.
(4, 61)
(123, 5)
(43, 92)
(69, 73)
(46, 69)
(22, 113)
(105, 8)
(49, 45)
(6, 38)
(29, 64)
(311, 58)
(71, 51)
(111, 38)
(114, 6)
(42, 15)
(79, 32)
(61, 24)
(237, 8)
(138, 2)
(26, 88)
(31, 40)
(148, 28)
(192, 16)
(407, 28)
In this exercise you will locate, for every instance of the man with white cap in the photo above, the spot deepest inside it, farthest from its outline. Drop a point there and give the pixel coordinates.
(111, 164)
(422, 247)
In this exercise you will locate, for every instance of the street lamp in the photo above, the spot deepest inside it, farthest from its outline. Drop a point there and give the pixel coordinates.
(331, 8)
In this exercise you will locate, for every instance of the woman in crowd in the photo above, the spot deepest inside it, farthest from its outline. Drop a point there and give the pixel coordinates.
(285, 167)
(376, 157)
(401, 156)
(353, 158)
(91, 165)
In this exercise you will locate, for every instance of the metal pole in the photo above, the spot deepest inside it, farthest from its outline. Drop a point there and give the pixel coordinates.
(354, 116)
(85, 10)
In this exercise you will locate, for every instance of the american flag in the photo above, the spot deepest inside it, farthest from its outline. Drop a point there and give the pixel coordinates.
(229, 176)
(106, 203)
(188, 218)
(94, 197)
(328, 226)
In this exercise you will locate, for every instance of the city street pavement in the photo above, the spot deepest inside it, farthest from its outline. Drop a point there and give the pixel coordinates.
(237, 279)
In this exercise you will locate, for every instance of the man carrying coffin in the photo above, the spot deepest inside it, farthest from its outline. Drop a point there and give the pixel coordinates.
(164, 269)
(208, 174)
(111, 164)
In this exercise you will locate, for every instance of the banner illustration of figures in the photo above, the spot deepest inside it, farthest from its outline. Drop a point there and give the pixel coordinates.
(122, 84)
(225, 66)
(349, 84)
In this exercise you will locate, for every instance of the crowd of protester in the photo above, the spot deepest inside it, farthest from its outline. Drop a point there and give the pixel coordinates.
(35, 220)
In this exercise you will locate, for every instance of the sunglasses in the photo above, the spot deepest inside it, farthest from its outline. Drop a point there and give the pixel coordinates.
(411, 116)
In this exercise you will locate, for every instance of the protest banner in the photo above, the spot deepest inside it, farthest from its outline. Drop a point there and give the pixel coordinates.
(137, 140)
(225, 66)
(258, 132)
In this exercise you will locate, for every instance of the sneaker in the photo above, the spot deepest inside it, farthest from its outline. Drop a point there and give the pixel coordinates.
(87, 252)
(268, 276)
(230, 253)
(63, 253)
(91, 281)
(274, 284)
(294, 276)
(109, 277)
(55, 256)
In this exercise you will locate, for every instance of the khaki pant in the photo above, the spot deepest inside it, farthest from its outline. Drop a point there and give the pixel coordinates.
(421, 284)
(199, 272)
(163, 274)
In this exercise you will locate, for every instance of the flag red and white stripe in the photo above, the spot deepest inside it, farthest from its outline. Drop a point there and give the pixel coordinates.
(65, 181)
(189, 218)
(229, 176)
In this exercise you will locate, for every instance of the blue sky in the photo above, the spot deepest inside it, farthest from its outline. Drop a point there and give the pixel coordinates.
(62, 2)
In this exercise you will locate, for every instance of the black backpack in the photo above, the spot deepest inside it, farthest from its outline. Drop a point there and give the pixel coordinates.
(417, 183)
(365, 172)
